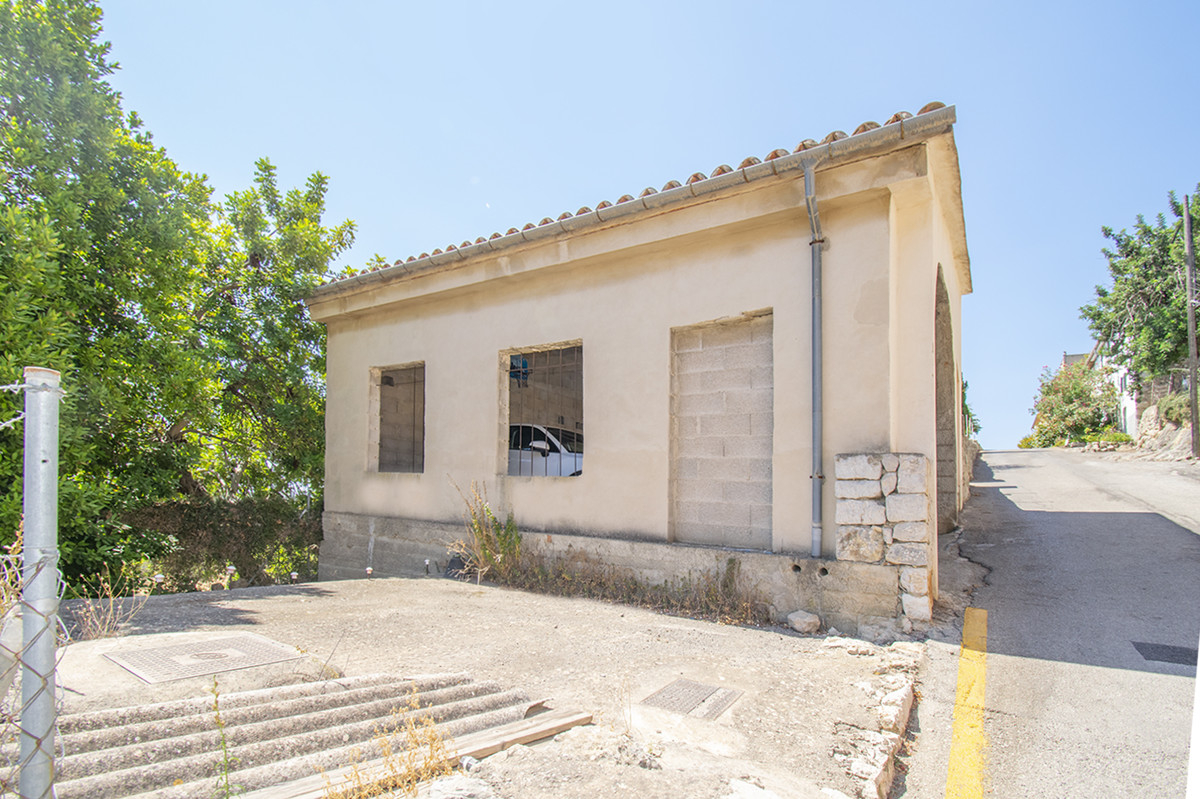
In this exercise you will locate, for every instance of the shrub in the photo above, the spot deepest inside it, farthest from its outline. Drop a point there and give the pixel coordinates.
(264, 539)
(1072, 403)
(1175, 408)
(1110, 435)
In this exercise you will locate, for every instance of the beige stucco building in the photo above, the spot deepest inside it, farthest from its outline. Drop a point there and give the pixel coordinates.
(674, 332)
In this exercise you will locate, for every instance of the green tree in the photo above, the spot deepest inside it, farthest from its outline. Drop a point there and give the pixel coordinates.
(192, 371)
(105, 224)
(1142, 318)
(269, 250)
(1072, 403)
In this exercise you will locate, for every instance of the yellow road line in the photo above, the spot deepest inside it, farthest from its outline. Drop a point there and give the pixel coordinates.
(965, 777)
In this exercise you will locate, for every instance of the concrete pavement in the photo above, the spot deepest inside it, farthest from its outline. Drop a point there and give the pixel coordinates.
(1094, 591)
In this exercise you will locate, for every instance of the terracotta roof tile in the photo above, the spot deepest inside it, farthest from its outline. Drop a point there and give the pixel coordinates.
(898, 118)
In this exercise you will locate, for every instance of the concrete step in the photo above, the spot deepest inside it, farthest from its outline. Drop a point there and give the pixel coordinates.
(323, 727)
(269, 705)
(120, 716)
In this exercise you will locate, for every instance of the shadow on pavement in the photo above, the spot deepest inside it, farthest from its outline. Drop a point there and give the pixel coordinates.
(204, 609)
(1109, 589)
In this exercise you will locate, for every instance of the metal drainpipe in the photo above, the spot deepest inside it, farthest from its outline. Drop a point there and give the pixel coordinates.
(815, 246)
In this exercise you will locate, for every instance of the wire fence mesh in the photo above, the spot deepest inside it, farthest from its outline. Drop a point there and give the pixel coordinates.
(22, 739)
(31, 594)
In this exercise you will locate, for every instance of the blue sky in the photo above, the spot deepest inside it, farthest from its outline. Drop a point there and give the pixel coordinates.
(443, 122)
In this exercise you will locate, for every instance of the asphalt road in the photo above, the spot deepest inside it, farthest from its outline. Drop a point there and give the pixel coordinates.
(1093, 598)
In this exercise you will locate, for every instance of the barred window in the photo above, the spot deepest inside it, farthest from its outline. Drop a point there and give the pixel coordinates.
(545, 412)
(402, 419)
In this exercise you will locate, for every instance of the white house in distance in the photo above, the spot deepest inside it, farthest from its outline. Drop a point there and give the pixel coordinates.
(650, 384)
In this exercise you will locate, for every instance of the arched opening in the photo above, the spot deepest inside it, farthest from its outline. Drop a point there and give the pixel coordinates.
(946, 393)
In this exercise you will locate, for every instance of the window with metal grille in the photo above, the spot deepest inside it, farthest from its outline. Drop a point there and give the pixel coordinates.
(402, 419)
(545, 412)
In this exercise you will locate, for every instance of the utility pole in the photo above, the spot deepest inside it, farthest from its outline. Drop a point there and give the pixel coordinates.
(1191, 322)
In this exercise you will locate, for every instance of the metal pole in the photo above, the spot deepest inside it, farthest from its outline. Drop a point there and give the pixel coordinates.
(39, 576)
(1191, 322)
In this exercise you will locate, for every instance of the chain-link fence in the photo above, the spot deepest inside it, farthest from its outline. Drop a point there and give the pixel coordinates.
(30, 593)
(22, 686)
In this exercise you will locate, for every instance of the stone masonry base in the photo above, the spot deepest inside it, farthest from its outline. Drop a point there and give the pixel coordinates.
(885, 516)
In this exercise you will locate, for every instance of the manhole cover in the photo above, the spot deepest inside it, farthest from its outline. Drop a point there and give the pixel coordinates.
(1165, 653)
(180, 661)
(693, 699)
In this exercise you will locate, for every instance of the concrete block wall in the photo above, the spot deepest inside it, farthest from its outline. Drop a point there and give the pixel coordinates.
(721, 433)
(884, 516)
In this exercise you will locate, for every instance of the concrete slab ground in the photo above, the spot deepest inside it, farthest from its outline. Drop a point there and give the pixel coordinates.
(808, 712)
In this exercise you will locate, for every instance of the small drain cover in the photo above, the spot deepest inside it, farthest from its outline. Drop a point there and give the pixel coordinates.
(693, 699)
(180, 661)
(1165, 653)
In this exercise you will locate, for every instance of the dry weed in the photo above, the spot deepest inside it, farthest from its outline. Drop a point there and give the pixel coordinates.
(491, 547)
(103, 611)
(718, 596)
(10, 572)
(413, 750)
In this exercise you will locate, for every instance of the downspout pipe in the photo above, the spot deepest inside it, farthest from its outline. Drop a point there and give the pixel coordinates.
(816, 244)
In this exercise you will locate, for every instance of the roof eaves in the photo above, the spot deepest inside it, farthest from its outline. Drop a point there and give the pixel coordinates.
(868, 139)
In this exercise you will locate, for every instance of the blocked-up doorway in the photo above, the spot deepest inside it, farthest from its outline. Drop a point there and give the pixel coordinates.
(722, 397)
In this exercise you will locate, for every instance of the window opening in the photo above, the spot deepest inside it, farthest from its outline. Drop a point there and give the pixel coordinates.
(545, 412)
(402, 419)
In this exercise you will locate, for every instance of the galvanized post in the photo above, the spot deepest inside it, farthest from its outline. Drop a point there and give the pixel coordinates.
(39, 577)
(1191, 322)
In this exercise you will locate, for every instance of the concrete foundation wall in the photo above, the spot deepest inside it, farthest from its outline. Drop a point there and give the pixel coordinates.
(853, 597)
